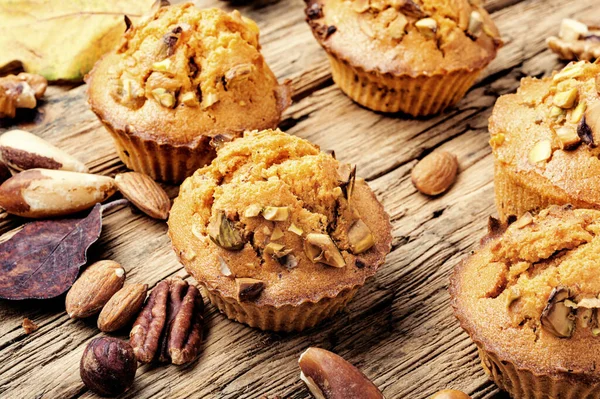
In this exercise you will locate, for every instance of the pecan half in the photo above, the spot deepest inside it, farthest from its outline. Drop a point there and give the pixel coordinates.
(169, 328)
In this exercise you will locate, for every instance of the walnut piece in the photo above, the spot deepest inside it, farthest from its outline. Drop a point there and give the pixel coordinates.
(576, 41)
(20, 91)
(169, 327)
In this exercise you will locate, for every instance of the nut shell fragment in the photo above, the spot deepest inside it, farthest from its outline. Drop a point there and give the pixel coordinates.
(329, 376)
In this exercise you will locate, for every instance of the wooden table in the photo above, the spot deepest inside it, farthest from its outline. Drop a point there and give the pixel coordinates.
(399, 329)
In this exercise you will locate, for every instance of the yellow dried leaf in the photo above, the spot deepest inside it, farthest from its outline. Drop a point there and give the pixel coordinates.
(61, 40)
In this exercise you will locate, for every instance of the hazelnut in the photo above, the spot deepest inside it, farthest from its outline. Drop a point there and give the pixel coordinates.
(450, 394)
(108, 366)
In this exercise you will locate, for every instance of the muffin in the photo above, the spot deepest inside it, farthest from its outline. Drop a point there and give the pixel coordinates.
(279, 234)
(529, 299)
(181, 80)
(416, 57)
(544, 139)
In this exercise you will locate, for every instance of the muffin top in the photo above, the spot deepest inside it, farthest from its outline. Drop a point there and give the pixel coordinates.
(405, 37)
(185, 73)
(548, 132)
(274, 209)
(530, 294)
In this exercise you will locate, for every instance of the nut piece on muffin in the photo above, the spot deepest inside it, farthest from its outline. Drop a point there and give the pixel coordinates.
(413, 56)
(181, 80)
(529, 299)
(280, 234)
(545, 142)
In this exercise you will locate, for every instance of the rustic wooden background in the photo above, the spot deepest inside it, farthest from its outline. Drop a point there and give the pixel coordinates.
(399, 329)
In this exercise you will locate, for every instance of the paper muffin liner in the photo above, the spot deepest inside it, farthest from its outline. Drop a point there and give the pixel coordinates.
(417, 96)
(286, 318)
(514, 198)
(525, 384)
(164, 162)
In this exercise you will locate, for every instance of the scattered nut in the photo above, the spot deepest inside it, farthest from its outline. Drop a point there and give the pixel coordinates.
(169, 327)
(565, 99)
(189, 99)
(275, 213)
(572, 70)
(525, 220)
(253, 211)
(360, 237)
(435, 173)
(276, 250)
(541, 152)
(475, 24)
(224, 233)
(248, 289)
(450, 394)
(396, 28)
(144, 193)
(571, 29)
(29, 326)
(108, 366)
(320, 248)
(568, 137)
(164, 97)
(92, 290)
(295, 229)
(124, 305)
(578, 112)
(21, 150)
(162, 66)
(20, 91)
(557, 318)
(45, 193)
(585, 132)
(277, 234)
(427, 27)
(329, 376)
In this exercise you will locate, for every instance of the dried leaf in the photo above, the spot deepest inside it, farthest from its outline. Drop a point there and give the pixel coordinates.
(61, 40)
(43, 259)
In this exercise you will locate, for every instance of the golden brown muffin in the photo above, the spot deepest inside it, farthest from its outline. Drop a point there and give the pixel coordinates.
(279, 234)
(179, 80)
(544, 139)
(529, 299)
(418, 57)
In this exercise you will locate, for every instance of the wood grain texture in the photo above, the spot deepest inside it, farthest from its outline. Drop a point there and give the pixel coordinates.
(399, 329)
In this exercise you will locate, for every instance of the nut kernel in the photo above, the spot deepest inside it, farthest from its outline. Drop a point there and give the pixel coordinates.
(427, 27)
(568, 137)
(541, 152)
(565, 99)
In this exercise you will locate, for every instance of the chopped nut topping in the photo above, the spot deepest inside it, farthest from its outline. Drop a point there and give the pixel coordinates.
(189, 99)
(248, 289)
(360, 237)
(239, 72)
(321, 248)
(289, 261)
(277, 234)
(565, 99)
(568, 137)
(276, 250)
(164, 97)
(427, 27)
(524, 220)
(252, 211)
(557, 318)
(360, 6)
(585, 132)
(592, 119)
(475, 24)
(224, 267)
(295, 229)
(578, 112)
(223, 233)
(497, 140)
(162, 66)
(396, 28)
(573, 70)
(209, 99)
(275, 213)
(347, 179)
(541, 151)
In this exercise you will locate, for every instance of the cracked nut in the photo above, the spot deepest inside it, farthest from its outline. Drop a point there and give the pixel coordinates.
(248, 289)
(427, 27)
(108, 366)
(329, 376)
(20, 91)
(541, 152)
(435, 173)
(45, 193)
(225, 234)
(320, 248)
(144, 193)
(360, 237)
(557, 318)
(450, 394)
(169, 327)
(21, 150)
(122, 307)
(92, 290)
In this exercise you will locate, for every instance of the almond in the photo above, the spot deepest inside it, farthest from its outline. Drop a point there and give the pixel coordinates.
(122, 307)
(96, 285)
(435, 173)
(45, 193)
(144, 193)
(21, 150)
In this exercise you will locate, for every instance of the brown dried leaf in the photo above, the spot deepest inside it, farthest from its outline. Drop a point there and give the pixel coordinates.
(43, 259)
